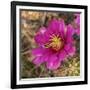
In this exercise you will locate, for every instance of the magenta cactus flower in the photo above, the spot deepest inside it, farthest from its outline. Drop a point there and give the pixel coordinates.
(77, 21)
(55, 43)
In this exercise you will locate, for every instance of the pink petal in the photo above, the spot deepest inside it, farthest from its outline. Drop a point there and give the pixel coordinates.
(70, 30)
(38, 51)
(38, 61)
(56, 26)
(42, 30)
(53, 25)
(62, 55)
(69, 33)
(42, 55)
(70, 49)
(53, 62)
(77, 31)
(77, 20)
(61, 26)
(40, 37)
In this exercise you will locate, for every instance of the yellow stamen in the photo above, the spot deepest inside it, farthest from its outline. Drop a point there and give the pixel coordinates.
(55, 42)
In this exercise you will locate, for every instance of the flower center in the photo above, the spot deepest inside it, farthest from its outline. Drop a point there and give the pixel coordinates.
(55, 42)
